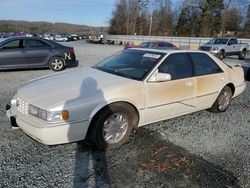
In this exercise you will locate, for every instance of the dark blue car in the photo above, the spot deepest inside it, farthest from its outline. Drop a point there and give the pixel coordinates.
(33, 52)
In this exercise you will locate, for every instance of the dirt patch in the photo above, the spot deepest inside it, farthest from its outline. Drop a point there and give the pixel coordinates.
(149, 161)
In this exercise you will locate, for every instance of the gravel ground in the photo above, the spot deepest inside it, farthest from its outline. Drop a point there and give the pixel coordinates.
(198, 150)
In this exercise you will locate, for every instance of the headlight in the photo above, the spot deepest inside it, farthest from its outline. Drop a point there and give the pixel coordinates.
(57, 115)
(51, 116)
(215, 48)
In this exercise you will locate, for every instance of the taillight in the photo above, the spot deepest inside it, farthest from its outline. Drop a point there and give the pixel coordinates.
(71, 50)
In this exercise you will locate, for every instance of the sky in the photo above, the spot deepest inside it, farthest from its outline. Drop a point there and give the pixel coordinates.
(83, 12)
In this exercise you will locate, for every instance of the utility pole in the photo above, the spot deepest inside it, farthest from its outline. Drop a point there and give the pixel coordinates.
(150, 25)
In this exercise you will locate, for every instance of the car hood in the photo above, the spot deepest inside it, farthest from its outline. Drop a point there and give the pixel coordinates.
(211, 45)
(60, 89)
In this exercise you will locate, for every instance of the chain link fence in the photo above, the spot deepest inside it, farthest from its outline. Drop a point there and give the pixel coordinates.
(181, 42)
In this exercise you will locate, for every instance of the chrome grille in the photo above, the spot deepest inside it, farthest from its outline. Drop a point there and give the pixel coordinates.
(205, 48)
(22, 106)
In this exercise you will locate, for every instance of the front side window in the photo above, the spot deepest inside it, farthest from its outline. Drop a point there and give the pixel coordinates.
(134, 64)
(36, 43)
(14, 44)
(204, 65)
(178, 65)
(232, 41)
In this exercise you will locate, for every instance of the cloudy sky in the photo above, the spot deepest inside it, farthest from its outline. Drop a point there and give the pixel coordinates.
(87, 12)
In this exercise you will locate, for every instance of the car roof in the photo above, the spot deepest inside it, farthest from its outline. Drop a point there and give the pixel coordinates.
(225, 38)
(156, 41)
(167, 51)
(14, 37)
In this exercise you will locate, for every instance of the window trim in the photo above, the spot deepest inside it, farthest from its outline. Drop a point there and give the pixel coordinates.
(147, 78)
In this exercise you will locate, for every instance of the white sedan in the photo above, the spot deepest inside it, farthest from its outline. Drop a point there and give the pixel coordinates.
(130, 89)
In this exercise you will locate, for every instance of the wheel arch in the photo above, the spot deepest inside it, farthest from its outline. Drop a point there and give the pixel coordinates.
(56, 56)
(102, 107)
(223, 50)
(232, 87)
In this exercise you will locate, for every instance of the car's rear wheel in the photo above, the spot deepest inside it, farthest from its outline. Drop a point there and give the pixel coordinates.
(113, 125)
(223, 100)
(242, 54)
(57, 64)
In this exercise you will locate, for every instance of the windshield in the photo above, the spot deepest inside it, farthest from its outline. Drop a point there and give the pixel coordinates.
(211, 41)
(144, 44)
(134, 64)
(218, 41)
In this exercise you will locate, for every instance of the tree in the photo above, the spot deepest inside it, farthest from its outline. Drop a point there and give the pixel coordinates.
(135, 17)
(247, 24)
(232, 20)
(119, 22)
(211, 11)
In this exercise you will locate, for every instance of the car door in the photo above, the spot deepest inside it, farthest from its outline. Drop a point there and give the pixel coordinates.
(175, 97)
(38, 52)
(209, 79)
(232, 47)
(12, 54)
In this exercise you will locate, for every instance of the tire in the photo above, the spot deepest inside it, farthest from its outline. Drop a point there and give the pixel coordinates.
(242, 54)
(221, 55)
(248, 75)
(113, 119)
(57, 64)
(223, 100)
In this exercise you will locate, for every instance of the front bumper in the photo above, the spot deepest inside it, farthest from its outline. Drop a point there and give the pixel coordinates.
(214, 52)
(11, 117)
(46, 133)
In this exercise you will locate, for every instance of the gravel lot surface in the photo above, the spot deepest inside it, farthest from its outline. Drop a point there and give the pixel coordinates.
(198, 150)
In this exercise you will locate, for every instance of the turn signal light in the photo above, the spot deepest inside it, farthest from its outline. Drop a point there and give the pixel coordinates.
(65, 115)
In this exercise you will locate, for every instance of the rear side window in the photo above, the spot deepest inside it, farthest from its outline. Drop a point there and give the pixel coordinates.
(178, 65)
(36, 44)
(204, 65)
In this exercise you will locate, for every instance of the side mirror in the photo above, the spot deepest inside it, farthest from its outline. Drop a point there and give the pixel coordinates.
(160, 77)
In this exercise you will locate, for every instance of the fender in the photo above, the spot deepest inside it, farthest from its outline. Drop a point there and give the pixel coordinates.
(103, 104)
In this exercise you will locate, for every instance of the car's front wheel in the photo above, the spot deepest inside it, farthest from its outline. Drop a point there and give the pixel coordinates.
(223, 100)
(221, 55)
(113, 125)
(57, 64)
(242, 54)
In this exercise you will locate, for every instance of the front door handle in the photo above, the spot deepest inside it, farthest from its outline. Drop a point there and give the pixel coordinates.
(189, 84)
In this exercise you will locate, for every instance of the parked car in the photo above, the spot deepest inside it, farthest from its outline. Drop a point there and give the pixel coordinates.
(152, 44)
(130, 89)
(32, 52)
(222, 47)
(59, 38)
(48, 37)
